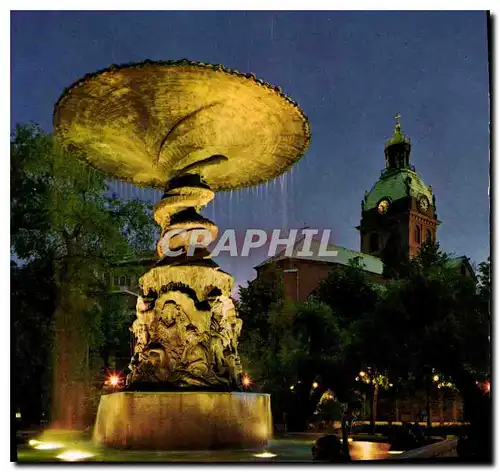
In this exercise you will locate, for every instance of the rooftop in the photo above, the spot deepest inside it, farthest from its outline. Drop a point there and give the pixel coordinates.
(370, 263)
(394, 186)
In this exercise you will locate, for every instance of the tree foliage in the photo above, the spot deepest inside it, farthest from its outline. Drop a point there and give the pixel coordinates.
(298, 344)
(428, 318)
(66, 233)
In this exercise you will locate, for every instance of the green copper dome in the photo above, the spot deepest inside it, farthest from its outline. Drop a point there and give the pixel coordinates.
(395, 186)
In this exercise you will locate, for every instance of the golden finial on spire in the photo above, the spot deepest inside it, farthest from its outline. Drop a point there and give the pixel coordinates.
(398, 136)
(398, 123)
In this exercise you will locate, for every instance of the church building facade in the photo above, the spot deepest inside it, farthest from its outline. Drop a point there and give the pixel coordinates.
(398, 215)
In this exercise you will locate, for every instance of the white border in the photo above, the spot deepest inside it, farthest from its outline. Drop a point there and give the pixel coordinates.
(196, 5)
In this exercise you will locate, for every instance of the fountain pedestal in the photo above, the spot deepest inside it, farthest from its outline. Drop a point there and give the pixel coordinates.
(183, 420)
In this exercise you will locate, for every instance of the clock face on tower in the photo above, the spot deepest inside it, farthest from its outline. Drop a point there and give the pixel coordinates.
(423, 204)
(383, 206)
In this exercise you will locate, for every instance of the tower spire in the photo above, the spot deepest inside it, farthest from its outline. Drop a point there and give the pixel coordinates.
(398, 135)
(397, 149)
(398, 123)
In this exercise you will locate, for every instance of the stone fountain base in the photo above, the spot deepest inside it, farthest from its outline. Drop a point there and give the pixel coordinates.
(183, 420)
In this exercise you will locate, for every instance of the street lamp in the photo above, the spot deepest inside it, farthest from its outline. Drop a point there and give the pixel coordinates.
(113, 381)
(246, 381)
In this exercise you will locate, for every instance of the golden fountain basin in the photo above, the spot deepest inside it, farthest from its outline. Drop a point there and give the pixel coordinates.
(150, 122)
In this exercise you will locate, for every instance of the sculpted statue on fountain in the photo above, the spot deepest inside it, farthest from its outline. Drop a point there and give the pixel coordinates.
(183, 346)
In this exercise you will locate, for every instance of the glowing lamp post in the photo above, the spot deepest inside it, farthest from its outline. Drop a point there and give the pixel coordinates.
(375, 380)
(114, 381)
(246, 381)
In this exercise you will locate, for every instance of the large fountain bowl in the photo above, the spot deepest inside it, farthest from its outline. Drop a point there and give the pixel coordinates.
(151, 122)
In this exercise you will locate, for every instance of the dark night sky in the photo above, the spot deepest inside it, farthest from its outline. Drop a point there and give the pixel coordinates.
(351, 72)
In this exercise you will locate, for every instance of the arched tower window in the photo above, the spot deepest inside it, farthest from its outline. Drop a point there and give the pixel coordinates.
(428, 235)
(417, 234)
(373, 242)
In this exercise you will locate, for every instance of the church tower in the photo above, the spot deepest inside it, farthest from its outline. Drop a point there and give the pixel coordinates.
(399, 213)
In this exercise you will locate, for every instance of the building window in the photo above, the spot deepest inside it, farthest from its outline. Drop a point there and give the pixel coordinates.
(417, 234)
(116, 280)
(129, 282)
(373, 242)
(428, 235)
(122, 281)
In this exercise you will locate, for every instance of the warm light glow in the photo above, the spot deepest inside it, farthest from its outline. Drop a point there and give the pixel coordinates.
(292, 387)
(362, 374)
(265, 455)
(315, 384)
(246, 380)
(484, 386)
(395, 452)
(357, 379)
(114, 380)
(33, 442)
(391, 385)
(18, 415)
(72, 456)
(365, 450)
(47, 446)
(435, 378)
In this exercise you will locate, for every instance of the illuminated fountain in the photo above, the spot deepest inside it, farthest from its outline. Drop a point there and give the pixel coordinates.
(189, 129)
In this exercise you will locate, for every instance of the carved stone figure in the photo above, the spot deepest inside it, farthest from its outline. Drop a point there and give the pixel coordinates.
(181, 345)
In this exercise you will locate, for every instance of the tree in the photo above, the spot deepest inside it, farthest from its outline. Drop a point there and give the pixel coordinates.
(291, 347)
(256, 301)
(63, 220)
(307, 343)
(352, 297)
(260, 296)
(434, 319)
(348, 292)
(32, 308)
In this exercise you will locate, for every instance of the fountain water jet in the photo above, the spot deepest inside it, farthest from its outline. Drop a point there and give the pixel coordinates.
(189, 129)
